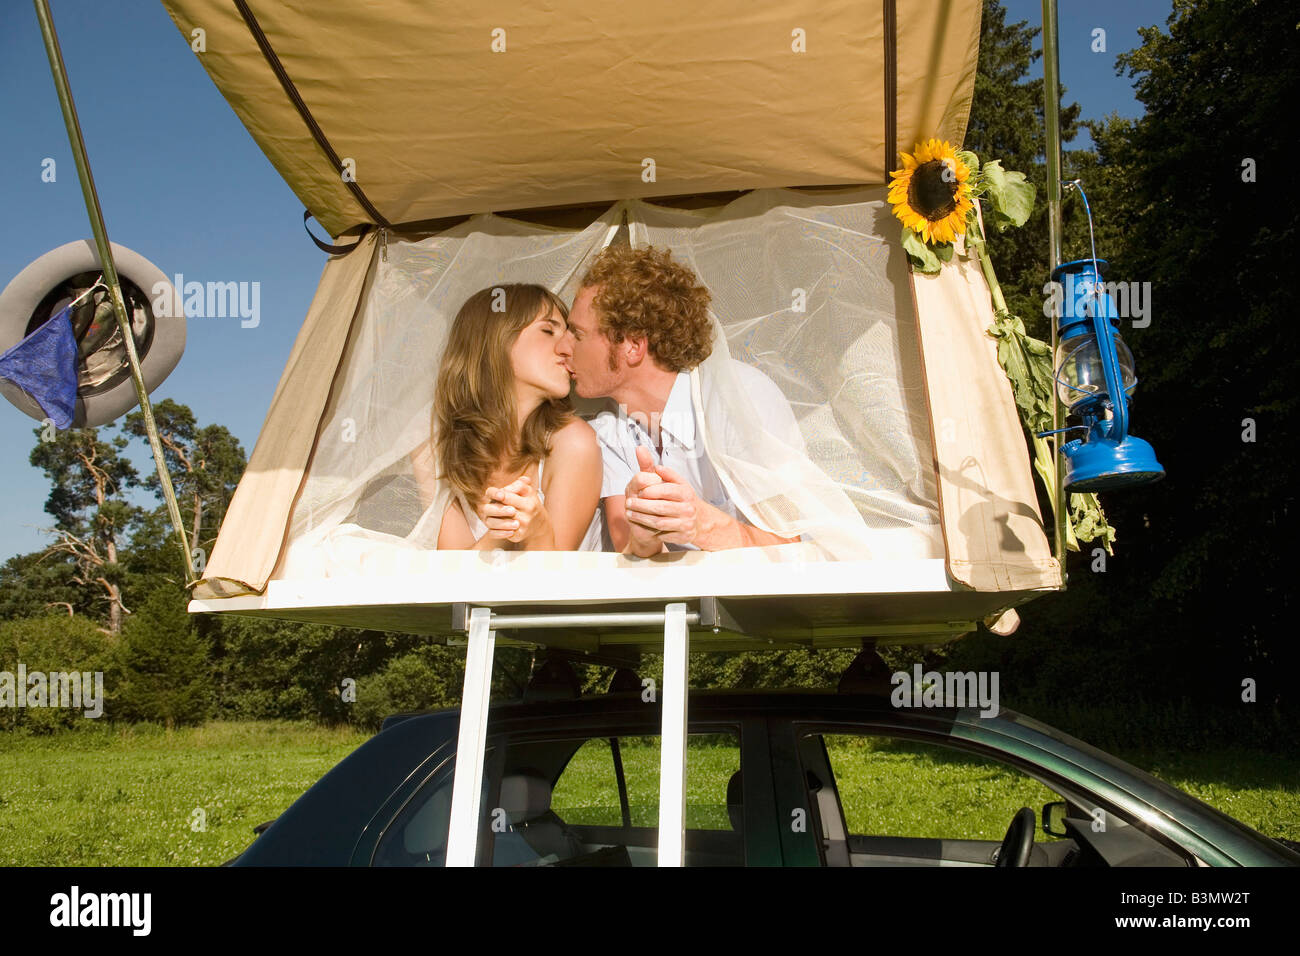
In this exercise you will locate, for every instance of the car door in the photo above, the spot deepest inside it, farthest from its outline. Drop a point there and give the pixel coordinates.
(862, 796)
(897, 792)
(566, 795)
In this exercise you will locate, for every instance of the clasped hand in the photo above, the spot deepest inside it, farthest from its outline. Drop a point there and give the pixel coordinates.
(513, 513)
(661, 507)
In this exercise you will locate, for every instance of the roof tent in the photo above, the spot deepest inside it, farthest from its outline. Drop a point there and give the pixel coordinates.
(465, 146)
(453, 148)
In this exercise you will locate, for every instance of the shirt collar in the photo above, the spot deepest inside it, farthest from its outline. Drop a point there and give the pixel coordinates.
(678, 418)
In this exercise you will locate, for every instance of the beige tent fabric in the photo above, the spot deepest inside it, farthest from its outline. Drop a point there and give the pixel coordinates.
(992, 526)
(718, 95)
(938, 53)
(252, 533)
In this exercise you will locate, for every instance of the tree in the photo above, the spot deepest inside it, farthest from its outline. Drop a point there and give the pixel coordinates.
(1196, 601)
(424, 678)
(205, 465)
(91, 514)
(1209, 219)
(56, 644)
(35, 584)
(164, 664)
(270, 669)
(1006, 123)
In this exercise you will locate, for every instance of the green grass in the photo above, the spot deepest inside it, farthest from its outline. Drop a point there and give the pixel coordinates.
(919, 791)
(587, 791)
(127, 796)
(1260, 789)
(111, 796)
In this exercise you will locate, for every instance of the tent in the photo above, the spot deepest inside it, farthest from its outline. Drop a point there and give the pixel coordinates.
(450, 148)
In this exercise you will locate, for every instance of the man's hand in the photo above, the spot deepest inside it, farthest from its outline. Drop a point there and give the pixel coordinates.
(661, 507)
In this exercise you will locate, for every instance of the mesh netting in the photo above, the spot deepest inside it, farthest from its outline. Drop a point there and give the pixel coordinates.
(811, 290)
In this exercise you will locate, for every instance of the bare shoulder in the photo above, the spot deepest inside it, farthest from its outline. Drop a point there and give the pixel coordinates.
(577, 439)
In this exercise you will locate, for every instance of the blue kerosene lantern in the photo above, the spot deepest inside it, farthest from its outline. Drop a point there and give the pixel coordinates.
(1094, 378)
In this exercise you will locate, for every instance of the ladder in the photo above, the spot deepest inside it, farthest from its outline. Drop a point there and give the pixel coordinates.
(480, 624)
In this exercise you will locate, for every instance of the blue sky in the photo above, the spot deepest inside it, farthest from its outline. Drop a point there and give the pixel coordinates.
(182, 183)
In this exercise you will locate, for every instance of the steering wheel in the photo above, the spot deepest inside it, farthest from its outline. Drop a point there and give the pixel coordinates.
(1019, 841)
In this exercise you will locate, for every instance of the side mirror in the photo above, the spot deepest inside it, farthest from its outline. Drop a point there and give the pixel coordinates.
(1054, 818)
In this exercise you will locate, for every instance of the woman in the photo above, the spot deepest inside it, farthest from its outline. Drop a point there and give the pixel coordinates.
(524, 472)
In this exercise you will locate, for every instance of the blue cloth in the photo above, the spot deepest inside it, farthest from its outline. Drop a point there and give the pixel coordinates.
(44, 365)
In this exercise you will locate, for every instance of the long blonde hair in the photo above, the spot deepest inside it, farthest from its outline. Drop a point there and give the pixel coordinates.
(474, 397)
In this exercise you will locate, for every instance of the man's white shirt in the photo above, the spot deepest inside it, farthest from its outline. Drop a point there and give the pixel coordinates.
(683, 449)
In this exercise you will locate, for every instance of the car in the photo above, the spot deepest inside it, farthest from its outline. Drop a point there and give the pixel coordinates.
(775, 778)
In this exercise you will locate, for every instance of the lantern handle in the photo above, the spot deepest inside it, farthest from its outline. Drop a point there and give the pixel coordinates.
(1105, 333)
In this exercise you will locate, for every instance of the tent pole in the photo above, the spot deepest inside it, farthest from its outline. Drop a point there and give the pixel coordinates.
(672, 740)
(467, 784)
(96, 214)
(1052, 118)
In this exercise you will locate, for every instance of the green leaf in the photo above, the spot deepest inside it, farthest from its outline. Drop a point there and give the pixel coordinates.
(1089, 521)
(944, 251)
(1028, 364)
(970, 159)
(923, 256)
(1011, 196)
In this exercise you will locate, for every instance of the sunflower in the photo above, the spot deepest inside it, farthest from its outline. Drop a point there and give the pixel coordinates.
(931, 194)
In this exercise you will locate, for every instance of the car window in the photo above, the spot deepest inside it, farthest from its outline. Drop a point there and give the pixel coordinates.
(587, 817)
(587, 791)
(558, 802)
(418, 834)
(895, 801)
(876, 800)
(898, 787)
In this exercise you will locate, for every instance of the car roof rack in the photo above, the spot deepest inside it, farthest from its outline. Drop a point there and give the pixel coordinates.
(867, 674)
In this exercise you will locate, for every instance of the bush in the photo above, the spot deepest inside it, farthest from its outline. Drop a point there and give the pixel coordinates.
(165, 672)
(427, 677)
(48, 644)
(284, 670)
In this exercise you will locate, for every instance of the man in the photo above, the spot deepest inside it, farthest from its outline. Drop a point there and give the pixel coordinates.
(639, 325)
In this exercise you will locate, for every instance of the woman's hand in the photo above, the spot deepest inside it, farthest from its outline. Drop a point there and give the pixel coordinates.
(516, 513)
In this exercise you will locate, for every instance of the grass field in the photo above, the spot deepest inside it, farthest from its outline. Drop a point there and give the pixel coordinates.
(141, 796)
(106, 797)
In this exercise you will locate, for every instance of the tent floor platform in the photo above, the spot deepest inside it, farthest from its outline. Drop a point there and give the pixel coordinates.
(742, 604)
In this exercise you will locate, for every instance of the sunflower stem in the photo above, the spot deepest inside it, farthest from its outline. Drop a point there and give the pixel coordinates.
(979, 247)
(1043, 461)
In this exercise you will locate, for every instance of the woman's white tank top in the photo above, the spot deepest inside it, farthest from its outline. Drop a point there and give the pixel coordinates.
(591, 541)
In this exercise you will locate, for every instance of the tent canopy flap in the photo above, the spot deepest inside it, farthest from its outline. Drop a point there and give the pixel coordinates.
(403, 112)
(253, 529)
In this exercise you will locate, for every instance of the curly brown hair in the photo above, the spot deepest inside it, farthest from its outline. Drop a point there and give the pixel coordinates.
(645, 292)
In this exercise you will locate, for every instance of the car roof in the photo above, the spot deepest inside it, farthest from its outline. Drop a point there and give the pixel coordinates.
(708, 701)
